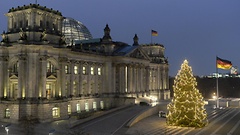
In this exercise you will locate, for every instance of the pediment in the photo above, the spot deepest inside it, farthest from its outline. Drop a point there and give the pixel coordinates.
(13, 77)
(139, 54)
(51, 77)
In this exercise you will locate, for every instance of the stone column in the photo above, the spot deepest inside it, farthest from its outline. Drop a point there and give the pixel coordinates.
(120, 74)
(22, 76)
(43, 76)
(32, 72)
(58, 90)
(128, 78)
(62, 62)
(71, 77)
(80, 78)
(113, 78)
(147, 78)
(63, 80)
(53, 89)
(88, 67)
(2, 59)
(11, 90)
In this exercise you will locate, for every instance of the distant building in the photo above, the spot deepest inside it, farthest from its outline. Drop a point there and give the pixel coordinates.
(47, 78)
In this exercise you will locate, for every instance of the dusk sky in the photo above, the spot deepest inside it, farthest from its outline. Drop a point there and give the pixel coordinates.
(196, 30)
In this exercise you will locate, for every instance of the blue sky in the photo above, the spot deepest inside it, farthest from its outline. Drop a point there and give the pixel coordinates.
(196, 30)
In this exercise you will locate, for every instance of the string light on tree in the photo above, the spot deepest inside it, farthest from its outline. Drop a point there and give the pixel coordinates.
(187, 107)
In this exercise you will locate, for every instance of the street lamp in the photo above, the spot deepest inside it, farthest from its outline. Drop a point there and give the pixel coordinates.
(214, 96)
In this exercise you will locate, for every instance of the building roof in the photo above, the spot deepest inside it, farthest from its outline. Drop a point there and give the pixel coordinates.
(74, 30)
(37, 6)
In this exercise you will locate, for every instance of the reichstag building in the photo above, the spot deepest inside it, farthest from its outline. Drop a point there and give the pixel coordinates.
(51, 67)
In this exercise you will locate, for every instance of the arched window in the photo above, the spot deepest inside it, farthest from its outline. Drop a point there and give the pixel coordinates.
(7, 113)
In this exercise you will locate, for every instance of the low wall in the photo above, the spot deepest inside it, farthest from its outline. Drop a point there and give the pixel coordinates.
(151, 111)
(225, 103)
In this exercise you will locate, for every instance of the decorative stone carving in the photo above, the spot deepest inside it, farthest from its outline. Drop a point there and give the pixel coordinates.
(22, 57)
(23, 35)
(43, 37)
(62, 40)
(43, 57)
(5, 39)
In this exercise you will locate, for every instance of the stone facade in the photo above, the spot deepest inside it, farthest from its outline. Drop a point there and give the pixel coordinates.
(43, 78)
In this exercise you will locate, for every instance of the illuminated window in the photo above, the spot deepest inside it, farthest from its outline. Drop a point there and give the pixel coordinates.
(99, 71)
(56, 112)
(92, 70)
(48, 90)
(74, 88)
(86, 107)
(7, 113)
(66, 69)
(78, 108)
(50, 67)
(94, 106)
(84, 70)
(150, 74)
(69, 109)
(75, 70)
(102, 105)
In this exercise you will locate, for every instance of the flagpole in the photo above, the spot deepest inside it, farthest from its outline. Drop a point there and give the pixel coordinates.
(217, 83)
(151, 37)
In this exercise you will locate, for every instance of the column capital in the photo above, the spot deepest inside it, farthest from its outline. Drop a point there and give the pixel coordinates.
(22, 57)
(43, 57)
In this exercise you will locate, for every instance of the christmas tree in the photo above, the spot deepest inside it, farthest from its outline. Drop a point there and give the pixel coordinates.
(187, 107)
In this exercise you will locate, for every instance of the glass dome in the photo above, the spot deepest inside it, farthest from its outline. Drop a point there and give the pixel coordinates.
(74, 30)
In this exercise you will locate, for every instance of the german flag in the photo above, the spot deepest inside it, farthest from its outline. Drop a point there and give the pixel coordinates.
(223, 64)
(154, 33)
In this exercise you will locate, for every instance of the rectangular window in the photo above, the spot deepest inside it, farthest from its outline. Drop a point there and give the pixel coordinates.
(86, 107)
(75, 70)
(99, 71)
(94, 106)
(69, 109)
(92, 70)
(7, 113)
(84, 70)
(48, 67)
(74, 88)
(56, 112)
(66, 69)
(102, 105)
(78, 108)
